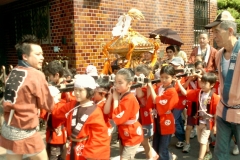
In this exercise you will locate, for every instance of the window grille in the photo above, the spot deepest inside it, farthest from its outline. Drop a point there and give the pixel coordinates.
(201, 17)
(33, 21)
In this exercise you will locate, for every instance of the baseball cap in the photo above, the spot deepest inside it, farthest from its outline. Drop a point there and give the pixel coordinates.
(85, 81)
(177, 61)
(91, 70)
(223, 16)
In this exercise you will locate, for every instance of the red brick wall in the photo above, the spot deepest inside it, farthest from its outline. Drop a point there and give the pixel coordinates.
(213, 14)
(94, 21)
(61, 23)
(87, 26)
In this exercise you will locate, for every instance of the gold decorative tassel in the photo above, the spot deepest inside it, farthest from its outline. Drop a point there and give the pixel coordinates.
(154, 57)
(129, 55)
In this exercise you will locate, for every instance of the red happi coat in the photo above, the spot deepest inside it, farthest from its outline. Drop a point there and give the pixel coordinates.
(146, 105)
(101, 104)
(54, 124)
(97, 145)
(193, 95)
(125, 117)
(192, 108)
(182, 99)
(216, 87)
(211, 65)
(165, 102)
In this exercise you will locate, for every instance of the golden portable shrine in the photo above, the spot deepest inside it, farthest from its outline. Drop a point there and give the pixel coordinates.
(128, 43)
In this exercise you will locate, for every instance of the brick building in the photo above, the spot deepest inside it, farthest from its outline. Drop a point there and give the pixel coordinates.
(81, 27)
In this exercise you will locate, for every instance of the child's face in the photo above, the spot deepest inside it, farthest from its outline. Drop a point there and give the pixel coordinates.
(205, 86)
(80, 94)
(98, 96)
(54, 78)
(121, 85)
(166, 79)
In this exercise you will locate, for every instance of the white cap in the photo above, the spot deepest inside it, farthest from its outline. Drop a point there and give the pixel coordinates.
(177, 61)
(91, 70)
(85, 81)
(223, 16)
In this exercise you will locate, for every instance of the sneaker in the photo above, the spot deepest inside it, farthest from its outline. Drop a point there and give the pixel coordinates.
(208, 156)
(235, 150)
(193, 133)
(174, 157)
(179, 144)
(186, 148)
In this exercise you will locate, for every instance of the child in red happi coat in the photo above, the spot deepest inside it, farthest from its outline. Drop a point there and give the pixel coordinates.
(166, 98)
(146, 118)
(125, 113)
(86, 129)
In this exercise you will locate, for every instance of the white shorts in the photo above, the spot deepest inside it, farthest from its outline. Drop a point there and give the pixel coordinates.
(202, 133)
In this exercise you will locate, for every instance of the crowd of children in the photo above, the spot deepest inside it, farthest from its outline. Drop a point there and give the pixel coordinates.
(183, 105)
(81, 123)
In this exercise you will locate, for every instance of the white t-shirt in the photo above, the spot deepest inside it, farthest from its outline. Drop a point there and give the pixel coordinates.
(225, 66)
(203, 105)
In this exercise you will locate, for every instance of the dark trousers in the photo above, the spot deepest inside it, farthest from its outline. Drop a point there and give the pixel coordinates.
(55, 151)
(161, 142)
(225, 131)
(180, 132)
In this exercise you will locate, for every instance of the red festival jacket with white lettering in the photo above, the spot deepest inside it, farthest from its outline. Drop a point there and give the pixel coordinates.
(126, 118)
(165, 102)
(95, 142)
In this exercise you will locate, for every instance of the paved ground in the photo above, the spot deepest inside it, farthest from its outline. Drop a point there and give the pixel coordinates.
(193, 155)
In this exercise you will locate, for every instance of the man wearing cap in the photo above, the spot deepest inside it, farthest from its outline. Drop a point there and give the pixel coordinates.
(228, 64)
(178, 63)
(205, 52)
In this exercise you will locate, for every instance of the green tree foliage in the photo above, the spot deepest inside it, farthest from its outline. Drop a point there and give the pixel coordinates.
(233, 6)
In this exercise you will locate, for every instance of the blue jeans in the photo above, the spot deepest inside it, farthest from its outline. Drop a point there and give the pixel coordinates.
(180, 132)
(225, 131)
(161, 142)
